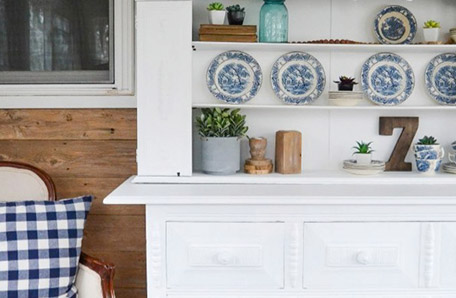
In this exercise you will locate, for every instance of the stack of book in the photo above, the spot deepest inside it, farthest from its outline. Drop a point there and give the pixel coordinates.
(228, 33)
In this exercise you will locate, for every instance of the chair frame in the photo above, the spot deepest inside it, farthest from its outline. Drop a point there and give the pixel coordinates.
(43, 175)
(103, 269)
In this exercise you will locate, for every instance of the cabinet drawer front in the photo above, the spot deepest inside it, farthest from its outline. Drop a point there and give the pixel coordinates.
(447, 258)
(361, 255)
(225, 255)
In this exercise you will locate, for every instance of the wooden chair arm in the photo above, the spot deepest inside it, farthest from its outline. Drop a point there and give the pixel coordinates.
(105, 270)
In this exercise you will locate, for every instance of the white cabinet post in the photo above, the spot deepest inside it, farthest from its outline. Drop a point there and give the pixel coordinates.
(164, 67)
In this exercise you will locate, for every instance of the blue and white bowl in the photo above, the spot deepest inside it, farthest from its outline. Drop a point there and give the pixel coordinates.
(428, 166)
(395, 25)
(387, 79)
(298, 78)
(234, 77)
(440, 78)
(453, 146)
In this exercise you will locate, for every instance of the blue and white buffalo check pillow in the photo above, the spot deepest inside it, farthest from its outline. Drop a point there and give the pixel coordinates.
(40, 244)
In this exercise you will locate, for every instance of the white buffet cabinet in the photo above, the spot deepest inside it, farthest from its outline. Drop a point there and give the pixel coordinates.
(322, 233)
(333, 239)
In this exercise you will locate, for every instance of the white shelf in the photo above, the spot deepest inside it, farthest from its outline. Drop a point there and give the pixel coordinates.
(307, 178)
(284, 47)
(321, 107)
(211, 190)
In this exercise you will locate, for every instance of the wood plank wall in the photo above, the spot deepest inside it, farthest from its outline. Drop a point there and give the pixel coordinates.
(87, 152)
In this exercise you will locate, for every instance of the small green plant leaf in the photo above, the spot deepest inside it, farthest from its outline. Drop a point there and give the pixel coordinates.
(363, 148)
(427, 141)
(431, 24)
(215, 6)
(218, 122)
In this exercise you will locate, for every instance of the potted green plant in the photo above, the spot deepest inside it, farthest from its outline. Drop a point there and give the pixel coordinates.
(363, 153)
(428, 155)
(221, 131)
(346, 83)
(217, 13)
(236, 14)
(431, 31)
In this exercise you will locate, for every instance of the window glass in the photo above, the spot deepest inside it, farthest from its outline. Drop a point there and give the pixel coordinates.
(56, 41)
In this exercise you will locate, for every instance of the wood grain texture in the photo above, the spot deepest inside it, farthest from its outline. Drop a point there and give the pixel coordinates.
(99, 188)
(87, 152)
(129, 293)
(130, 267)
(107, 159)
(71, 124)
(409, 127)
(288, 152)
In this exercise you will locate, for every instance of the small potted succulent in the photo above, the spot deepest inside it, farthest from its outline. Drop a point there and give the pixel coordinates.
(217, 13)
(363, 153)
(236, 14)
(221, 131)
(346, 83)
(431, 31)
(428, 155)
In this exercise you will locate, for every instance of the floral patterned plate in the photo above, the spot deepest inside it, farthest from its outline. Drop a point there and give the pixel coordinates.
(298, 78)
(395, 25)
(234, 77)
(387, 79)
(440, 77)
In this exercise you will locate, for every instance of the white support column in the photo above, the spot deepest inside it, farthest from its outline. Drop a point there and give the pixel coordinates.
(164, 70)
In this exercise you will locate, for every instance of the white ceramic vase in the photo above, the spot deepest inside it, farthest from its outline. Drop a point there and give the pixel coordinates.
(363, 158)
(217, 17)
(431, 34)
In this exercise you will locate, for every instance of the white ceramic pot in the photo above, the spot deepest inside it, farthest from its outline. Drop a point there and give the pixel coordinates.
(431, 34)
(363, 158)
(217, 17)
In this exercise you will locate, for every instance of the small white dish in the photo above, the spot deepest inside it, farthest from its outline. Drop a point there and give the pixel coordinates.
(345, 102)
(364, 172)
(376, 167)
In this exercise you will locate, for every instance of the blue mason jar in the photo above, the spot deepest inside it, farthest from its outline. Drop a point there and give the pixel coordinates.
(274, 21)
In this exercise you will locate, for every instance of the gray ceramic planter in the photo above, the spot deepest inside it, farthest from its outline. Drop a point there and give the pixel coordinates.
(221, 156)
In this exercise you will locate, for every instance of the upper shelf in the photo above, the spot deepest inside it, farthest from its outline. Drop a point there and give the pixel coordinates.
(324, 107)
(284, 47)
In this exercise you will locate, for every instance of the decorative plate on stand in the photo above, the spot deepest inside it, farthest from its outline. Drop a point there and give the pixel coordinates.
(387, 79)
(440, 77)
(298, 78)
(234, 77)
(395, 25)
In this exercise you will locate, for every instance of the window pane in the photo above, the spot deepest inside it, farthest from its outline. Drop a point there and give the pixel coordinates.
(56, 41)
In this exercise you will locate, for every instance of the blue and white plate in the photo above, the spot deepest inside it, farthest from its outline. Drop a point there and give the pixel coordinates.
(387, 79)
(395, 25)
(298, 78)
(440, 77)
(234, 77)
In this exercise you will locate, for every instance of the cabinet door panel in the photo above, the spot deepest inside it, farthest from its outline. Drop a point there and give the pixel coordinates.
(361, 255)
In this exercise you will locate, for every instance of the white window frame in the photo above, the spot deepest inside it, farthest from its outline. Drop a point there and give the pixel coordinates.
(120, 94)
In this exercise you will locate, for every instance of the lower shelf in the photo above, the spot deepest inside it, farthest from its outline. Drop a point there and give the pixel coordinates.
(310, 177)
